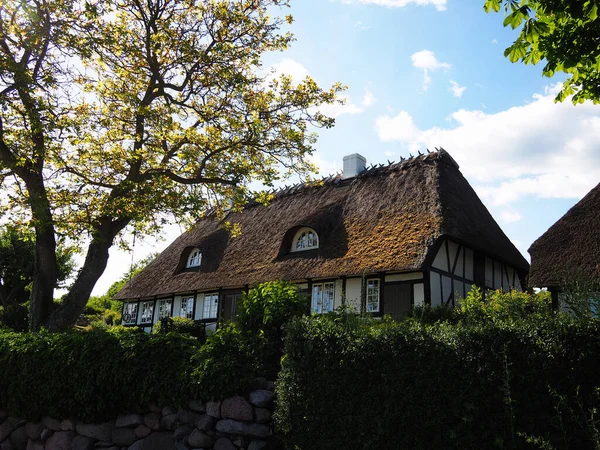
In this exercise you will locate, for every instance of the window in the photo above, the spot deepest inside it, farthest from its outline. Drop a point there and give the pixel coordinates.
(164, 308)
(195, 258)
(130, 313)
(187, 307)
(322, 297)
(147, 312)
(372, 295)
(305, 239)
(210, 308)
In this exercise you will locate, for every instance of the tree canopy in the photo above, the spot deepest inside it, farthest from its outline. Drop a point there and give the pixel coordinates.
(116, 114)
(565, 34)
(17, 256)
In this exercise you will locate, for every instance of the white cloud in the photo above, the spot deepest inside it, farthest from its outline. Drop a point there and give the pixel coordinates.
(440, 5)
(361, 26)
(542, 149)
(494, 41)
(368, 99)
(426, 60)
(456, 89)
(326, 167)
(510, 216)
(290, 67)
(349, 107)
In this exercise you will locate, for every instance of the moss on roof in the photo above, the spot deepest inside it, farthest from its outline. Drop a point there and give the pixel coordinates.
(385, 219)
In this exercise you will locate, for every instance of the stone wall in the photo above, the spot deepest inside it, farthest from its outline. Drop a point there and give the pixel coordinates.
(240, 422)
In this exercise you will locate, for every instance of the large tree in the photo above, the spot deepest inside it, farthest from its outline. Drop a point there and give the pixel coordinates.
(117, 113)
(564, 34)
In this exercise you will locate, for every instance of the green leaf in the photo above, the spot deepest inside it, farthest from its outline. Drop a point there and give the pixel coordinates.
(516, 51)
(492, 5)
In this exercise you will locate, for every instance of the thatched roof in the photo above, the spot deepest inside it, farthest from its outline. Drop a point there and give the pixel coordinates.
(385, 219)
(570, 249)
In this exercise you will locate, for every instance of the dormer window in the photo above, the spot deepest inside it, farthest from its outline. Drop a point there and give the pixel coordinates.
(195, 258)
(305, 239)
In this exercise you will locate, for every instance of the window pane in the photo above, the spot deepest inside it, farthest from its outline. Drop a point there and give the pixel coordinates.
(328, 296)
(317, 298)
(373, 296)
(147, 309)
(130, 313)
(164, 309)
(209, 310)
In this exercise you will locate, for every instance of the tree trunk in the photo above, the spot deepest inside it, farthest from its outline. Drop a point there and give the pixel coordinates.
(45, 271)
(95, 263)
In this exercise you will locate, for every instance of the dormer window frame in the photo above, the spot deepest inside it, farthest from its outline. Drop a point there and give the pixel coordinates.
(194, 259)
(307, 235)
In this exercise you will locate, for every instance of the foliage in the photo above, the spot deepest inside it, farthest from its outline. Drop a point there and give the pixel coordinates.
(17, 256)
(264, 311)
(92, 375)
(504, 307)
(581, 297)
(181, 325)
(228, 362)
(15, 317)
(490, 380)
(564, 33)
(115, 115)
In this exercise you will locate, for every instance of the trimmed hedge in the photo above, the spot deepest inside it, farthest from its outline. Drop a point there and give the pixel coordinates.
(383, 385)
(99, 374)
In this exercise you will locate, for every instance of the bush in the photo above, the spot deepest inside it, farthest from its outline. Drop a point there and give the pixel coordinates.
(263, 314)
(464, 386)
(181, 325)
(15, 317)
(92, 375)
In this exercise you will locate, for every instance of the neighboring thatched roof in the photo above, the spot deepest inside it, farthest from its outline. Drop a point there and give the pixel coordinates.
(570, 250)
(385, 219)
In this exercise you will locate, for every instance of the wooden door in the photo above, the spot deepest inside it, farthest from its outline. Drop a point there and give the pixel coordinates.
(397, 299)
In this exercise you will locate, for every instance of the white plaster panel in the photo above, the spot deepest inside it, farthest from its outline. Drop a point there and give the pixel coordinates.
(436, 293)
(441, 259)
(489, 270)
(453, 250)
(419, 294)
(353, 286)
(469, 264)
(404, 277)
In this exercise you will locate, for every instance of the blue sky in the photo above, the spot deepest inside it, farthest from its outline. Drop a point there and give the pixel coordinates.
(431, 73)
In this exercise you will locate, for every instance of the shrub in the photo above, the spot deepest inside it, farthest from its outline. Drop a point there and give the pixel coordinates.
(408, 385)
(15, 317)
(227, 363)
(181, 325)
(263, 313)
(92, 375)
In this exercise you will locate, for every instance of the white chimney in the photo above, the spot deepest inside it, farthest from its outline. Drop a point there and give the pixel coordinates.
(353, 165)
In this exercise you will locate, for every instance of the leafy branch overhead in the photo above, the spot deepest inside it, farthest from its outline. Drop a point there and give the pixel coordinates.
(117, 113)
(565, 34)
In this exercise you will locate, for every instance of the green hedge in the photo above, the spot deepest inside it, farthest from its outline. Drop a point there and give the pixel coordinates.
(368, 385)
(99, 374)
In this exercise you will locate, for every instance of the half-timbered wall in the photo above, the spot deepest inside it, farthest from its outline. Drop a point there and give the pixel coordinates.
(456, 268)
(500, 276)
(452, 273)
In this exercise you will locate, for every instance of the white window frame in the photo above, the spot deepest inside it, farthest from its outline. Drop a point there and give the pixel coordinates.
(210, 306)
(318, 292)
(194, 259)
(163, 311)
(145, 306)
(130, 309)
(373, 295)
(188, 312)
(305, 239)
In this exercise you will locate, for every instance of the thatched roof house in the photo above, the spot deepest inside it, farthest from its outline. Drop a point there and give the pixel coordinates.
(385, 237)
(570, 249)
